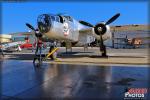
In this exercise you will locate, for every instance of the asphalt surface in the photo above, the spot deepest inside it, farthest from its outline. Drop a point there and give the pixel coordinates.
(89, 56)
(77, 78)
(21, 80)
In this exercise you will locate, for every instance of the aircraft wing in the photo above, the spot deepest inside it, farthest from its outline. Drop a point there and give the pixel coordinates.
(87, 31)
(86, 36)
(11, 44)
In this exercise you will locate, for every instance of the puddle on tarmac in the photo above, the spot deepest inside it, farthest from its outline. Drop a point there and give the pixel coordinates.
(21, 79)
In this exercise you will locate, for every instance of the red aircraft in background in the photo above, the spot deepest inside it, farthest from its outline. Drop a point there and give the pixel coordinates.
(27, 44)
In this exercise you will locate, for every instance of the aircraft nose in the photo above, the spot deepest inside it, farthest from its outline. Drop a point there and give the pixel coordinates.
(44, 23)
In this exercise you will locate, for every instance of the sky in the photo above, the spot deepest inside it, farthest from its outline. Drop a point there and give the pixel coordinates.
(16, 14)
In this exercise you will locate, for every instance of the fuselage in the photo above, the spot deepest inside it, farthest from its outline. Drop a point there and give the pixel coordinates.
(65, 28)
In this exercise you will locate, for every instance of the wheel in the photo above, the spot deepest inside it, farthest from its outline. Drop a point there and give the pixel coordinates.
(37, 61)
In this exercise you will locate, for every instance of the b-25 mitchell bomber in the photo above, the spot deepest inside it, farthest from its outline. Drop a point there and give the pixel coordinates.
(65, 28)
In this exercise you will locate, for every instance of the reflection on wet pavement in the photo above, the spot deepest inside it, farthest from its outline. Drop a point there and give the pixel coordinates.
(22, 80)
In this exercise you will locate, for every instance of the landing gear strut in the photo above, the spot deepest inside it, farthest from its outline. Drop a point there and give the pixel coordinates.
(37, 61)
(103, 51)
(102, 47)
(50, 50)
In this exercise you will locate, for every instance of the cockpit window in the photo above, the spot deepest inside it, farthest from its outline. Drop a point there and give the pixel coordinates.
(57, 19)
(68, 18)
(53, 18)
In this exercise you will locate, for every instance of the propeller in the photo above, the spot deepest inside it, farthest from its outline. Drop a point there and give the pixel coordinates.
(30, 26)
(38, 36)
(101, 44)
(112, 19)
(86, 23)
(100, 29)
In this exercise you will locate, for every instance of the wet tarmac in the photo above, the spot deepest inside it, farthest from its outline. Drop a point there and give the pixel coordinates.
(21, 80)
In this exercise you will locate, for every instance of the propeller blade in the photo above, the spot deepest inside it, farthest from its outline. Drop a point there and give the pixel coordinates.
(86, 23)
(30, 26)
(113, 18)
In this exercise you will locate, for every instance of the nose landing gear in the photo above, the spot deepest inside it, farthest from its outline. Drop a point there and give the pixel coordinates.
(38, 59)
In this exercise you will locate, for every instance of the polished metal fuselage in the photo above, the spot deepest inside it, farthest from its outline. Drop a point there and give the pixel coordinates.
(73, 34)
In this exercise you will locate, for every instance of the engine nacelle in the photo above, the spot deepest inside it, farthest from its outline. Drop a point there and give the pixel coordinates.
(102, 29)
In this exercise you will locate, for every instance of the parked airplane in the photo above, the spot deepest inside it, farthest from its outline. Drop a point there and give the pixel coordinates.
(16, 45)
(66, 28)
(7, 46)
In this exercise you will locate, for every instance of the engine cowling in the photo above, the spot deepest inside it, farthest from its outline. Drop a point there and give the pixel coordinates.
(100, 29)
(103, 30)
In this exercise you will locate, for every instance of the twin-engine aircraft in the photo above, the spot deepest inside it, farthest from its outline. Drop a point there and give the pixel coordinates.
(65, 28)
